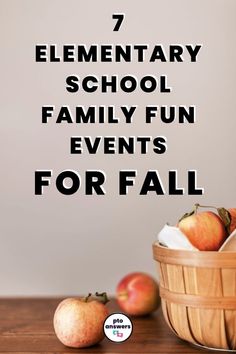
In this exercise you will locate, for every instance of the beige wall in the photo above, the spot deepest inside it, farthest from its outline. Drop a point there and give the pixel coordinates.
(61, 245)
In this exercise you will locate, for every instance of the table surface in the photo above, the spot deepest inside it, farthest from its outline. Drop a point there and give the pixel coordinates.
(26, 327)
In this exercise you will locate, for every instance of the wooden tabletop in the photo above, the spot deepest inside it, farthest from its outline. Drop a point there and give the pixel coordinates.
(26, 327)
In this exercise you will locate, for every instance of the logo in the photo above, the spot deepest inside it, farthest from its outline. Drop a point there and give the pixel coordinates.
(118, 327)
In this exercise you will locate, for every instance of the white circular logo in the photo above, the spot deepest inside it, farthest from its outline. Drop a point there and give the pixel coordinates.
(117, 327)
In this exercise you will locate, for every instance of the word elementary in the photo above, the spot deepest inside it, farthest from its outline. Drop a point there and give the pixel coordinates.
(116, 53)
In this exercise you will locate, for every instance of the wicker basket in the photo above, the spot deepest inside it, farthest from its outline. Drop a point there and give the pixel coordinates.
(198, 295)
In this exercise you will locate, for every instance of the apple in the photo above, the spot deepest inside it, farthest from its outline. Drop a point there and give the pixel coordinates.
(205, 230)
(232, 226)
(78, 322)
(138, 294)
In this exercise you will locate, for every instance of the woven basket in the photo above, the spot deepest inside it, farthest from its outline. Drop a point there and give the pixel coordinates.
(198, 295)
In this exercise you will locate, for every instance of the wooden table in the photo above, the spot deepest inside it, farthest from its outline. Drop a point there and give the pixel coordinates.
(26, 327)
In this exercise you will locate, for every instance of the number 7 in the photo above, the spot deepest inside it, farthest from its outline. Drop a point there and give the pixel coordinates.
(119, 18)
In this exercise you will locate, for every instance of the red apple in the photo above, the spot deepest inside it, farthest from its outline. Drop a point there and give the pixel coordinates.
(138, 294)
(232, 225)
(78, 322)
(205, 230)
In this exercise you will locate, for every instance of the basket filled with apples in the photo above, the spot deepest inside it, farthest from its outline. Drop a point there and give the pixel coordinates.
(197, 270)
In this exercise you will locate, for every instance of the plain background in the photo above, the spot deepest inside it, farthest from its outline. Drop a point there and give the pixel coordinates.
(55, 244)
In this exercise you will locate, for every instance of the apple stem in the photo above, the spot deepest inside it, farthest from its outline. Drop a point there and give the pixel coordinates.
(87, 297)
(194, 211)
(102, 297)
(223, 213)
(204, 206)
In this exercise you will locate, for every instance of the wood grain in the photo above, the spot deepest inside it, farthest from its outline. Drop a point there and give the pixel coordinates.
(26, 327)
